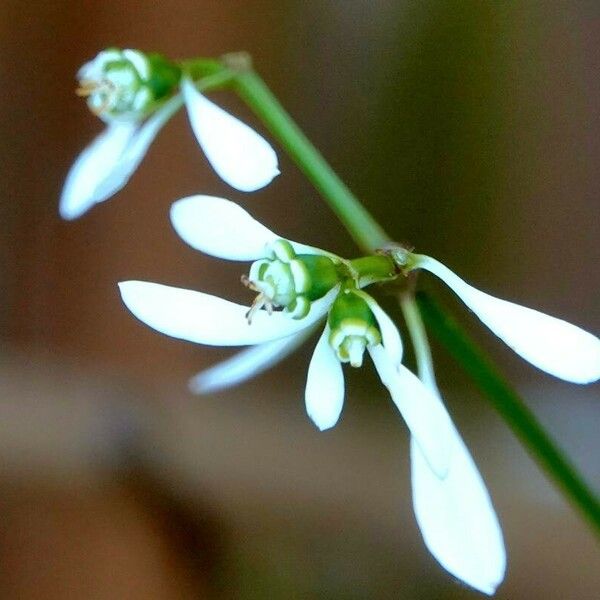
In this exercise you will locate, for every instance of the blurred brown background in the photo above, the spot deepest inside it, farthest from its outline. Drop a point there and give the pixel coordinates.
(469, 128)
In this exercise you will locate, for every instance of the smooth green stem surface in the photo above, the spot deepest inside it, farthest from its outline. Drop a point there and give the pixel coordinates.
(198, 68)
(367, 233)
(511, 407)
(418, 337)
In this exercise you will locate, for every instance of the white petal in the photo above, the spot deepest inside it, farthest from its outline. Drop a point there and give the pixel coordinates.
(224, 229)
(392, 342)
(551, 344)
(139, 61)
(93, 168)
(136, 150)
(324, 395)
(107, 164)
(220, 228)
(422, 410)
(206, 319)
(247, 363)
(457, 519)
(240, 156)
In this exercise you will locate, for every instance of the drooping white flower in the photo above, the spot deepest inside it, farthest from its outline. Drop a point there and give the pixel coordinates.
(136, 94)
(553, 345)
(304, 284)
(298, 285)
(453, 509)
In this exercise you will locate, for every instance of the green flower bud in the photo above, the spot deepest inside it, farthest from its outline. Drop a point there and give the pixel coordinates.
(126, 84)
(353, 327)
(290, 281)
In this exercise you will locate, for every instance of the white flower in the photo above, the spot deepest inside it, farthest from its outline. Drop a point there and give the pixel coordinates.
(459, 523)
(136, 94)
(553, 345)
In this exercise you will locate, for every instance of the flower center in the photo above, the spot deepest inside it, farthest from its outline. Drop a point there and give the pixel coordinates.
(289, 281)
(126, 83)
(101, 94)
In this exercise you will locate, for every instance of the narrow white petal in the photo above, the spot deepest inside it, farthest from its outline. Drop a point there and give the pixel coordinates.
(93, 168)
(392, 342)
(246, 363)
(422, 410)
(240, 156)
(324, 395)
(553, 345)
(457, 519)
(107, 164)
(138, 147)
(224, 229)
(206, 319)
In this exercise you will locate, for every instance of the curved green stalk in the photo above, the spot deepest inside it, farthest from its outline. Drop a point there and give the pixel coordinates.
(367, 233)
(418, 337)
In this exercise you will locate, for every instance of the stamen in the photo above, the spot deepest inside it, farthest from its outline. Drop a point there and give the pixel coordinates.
(259, 302)
(246, 282)
(88, 87)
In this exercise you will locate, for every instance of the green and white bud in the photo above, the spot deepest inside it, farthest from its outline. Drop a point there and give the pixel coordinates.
(126, 84)
(290, 281)
(353, 327)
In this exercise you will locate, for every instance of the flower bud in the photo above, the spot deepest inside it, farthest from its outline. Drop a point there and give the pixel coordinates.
(290, 281)
(126, 84)
(353, 327)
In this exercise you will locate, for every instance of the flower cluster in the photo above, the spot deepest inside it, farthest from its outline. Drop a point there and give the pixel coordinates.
(301, 290)
(300, 287)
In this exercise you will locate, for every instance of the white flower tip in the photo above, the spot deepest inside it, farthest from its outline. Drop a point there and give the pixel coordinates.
(71, 208)
(489, 589)
(324, 422)
(101, 170)
(239, 155)
(126, 288)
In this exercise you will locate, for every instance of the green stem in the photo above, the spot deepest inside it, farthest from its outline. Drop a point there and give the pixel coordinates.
(367, 233)
(418, 337)
(512, 408)
(199, 68)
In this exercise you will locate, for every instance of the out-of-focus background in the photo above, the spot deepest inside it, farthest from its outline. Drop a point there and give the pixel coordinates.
(470, 129)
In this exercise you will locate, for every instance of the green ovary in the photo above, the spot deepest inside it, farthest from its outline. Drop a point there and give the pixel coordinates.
(353, 328)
